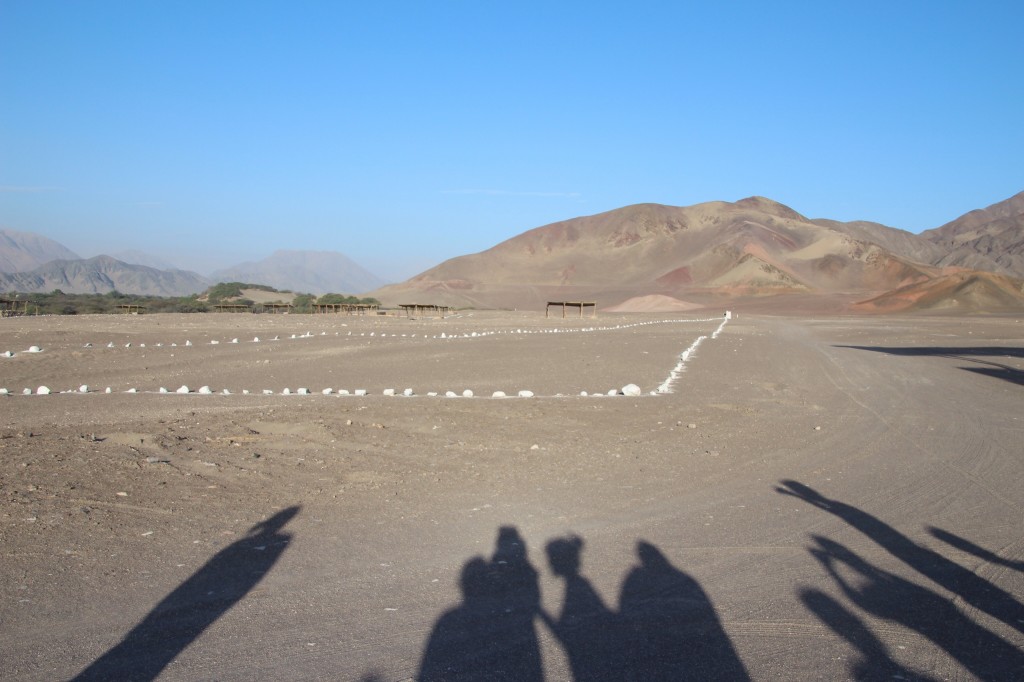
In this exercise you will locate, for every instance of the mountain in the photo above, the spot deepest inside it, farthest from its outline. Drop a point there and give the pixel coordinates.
(900, 242)
(316, 272)
(967, 292)
(755, 247)
(985, 239)
(20, 251)
(103, 274)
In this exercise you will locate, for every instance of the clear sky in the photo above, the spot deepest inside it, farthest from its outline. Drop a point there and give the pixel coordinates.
(406, 133)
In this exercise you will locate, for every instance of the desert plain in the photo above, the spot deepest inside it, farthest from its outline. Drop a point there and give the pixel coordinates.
(810, 498)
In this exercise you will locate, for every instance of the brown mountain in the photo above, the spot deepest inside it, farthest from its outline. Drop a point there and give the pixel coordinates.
(20, 251)
(101, 275)
(968, 292)
(751, 248)
(900, 242)
(985, 239)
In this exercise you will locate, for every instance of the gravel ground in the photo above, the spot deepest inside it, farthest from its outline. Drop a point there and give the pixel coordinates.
(815, 498)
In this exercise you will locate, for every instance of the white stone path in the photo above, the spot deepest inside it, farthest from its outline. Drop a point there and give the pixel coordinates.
(630, 389)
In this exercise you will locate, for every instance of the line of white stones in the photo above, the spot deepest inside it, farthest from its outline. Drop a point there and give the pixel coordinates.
(684, 357)
(381, 335)
(628, 390)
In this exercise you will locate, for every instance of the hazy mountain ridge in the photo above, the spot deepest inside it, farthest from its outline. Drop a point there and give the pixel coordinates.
(316, 272)
(102, 274)
(21, 251)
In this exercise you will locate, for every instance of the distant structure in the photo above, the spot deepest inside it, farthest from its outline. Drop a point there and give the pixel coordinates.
(274, 308)
(420, 308)
(572, 304)
(13, 307)
(347, 308)
(232, 308)
(131, 308)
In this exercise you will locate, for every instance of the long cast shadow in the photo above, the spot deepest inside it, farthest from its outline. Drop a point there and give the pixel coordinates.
(875, 662)
(967, 546)
(888, 596)
(194, 605)
(666, 627)
(972, 588)
(996, 370)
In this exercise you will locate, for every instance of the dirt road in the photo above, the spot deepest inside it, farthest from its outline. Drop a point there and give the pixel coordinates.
(834, 498)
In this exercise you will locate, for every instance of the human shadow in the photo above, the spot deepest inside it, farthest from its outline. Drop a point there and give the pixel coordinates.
(491, 635)
(593, 636)
(666, 627)
(890, 597)
(674, 631)
(972, 588)
(875, 662)
(194, 605)
(996, 370)
(971, 548)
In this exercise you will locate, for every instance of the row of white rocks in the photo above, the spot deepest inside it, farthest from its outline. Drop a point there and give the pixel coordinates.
(382, 335)
(627, 390)
(667, 385)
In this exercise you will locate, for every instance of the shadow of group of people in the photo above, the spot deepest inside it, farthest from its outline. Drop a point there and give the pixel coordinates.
(886, 595)
(666, 627)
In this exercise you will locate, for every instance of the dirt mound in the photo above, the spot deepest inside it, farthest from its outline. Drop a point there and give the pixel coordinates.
(655, 303)
(969, 292)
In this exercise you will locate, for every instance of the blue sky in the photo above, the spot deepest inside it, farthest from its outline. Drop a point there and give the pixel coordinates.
(406, 133)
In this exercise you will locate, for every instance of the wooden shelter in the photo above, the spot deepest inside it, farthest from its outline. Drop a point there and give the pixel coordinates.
(420, 308)
(572, 304)
(232, 308)
(277, 307)
(347, 308)
(131, 308)
(13, 307)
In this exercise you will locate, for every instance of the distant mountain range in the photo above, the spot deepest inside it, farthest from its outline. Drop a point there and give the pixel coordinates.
(317, 272)
(717, 252)
(102, 274)
(721, 251)
(31, 263)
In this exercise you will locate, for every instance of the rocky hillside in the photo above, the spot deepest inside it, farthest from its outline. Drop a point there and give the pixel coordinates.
(985, 239)
(21, 251)
(102, 274)
(753, 247)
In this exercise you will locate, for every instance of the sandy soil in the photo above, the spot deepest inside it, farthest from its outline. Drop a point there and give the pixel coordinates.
(819, 498)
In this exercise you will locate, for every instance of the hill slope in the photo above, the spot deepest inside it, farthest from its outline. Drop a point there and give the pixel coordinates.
(986, 239)
(965, 292)
(753, 247)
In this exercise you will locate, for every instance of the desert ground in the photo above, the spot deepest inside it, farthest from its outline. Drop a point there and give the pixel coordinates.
(808, 498)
